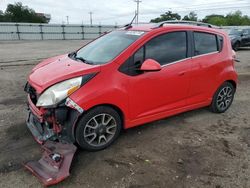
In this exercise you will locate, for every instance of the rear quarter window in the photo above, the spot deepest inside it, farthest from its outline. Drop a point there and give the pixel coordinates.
(220, 42)
(204, 43)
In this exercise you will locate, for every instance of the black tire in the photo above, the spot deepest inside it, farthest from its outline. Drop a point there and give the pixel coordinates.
(91, 124)
(236, 46)
(222, 100)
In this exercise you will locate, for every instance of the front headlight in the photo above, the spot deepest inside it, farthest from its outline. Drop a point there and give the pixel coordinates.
(56, 93)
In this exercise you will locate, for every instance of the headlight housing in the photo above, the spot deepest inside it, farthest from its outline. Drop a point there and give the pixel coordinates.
(60, 91)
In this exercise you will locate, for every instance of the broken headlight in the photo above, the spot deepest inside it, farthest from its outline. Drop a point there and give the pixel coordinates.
(58, 92)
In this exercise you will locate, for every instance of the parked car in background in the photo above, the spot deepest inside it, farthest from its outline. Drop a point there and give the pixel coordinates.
(239, 38)
(246, 37)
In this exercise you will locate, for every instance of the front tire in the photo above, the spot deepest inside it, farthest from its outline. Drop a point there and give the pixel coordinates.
(98, 128)
(223, 98)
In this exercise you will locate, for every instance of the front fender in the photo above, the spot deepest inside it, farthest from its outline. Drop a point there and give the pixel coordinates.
(107, 87)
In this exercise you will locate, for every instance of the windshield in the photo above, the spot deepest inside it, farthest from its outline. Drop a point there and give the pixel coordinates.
(233, 32)
(107, 47)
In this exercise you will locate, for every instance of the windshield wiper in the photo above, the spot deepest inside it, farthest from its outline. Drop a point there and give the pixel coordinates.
(83, 60)
(74, 56)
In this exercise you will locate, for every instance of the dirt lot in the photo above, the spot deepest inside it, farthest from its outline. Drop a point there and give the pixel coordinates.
(193, 149)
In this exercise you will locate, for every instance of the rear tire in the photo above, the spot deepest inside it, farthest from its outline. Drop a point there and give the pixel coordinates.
(223, 98)
(236, 46)
(98, 128)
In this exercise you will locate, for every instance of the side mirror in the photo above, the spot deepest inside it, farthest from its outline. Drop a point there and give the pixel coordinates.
(150, 65)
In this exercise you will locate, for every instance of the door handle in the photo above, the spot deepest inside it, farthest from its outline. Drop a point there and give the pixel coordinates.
(181, 73)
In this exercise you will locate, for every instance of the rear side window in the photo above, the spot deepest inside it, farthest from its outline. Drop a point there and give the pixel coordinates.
(167, 48)
(204, 43)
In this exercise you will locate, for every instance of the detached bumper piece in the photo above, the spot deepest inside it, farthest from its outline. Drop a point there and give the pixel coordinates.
(55, 163)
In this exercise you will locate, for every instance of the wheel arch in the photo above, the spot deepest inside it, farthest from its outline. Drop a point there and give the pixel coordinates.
(232, 82)
(116, 108)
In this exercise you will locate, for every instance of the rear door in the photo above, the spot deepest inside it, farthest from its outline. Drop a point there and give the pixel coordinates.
(206, 65)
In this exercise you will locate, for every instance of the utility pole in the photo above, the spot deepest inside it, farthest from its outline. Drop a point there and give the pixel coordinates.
(90, 14)
(137, 10)
(67, 19)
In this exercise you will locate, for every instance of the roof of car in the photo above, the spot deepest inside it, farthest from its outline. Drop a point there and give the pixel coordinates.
(151, 26)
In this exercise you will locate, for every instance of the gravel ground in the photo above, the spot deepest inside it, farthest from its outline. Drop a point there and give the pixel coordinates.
(193, 149)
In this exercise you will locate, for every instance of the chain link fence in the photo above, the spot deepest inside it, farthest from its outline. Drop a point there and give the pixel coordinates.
(27, 31)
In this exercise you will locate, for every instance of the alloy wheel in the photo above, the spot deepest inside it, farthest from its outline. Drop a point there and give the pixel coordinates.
(224, 98)
(100, 129)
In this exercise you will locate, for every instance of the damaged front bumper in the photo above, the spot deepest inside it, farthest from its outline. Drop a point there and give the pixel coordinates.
(38, 130)
(52, 123)
(53, 128)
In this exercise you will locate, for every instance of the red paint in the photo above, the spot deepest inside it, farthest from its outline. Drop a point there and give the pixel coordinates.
(150, 65)
(176, 88)
(49, 171)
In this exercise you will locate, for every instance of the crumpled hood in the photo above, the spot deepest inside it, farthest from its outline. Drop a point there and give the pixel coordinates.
(57, 69)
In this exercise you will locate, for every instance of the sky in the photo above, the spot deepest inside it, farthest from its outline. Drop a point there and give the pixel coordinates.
(110, 12)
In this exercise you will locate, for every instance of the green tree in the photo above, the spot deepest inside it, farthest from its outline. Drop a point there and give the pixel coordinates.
(19, 13)
(215, 19)
(192, 16)
(167, 16)
(1, 16)
(236, 18)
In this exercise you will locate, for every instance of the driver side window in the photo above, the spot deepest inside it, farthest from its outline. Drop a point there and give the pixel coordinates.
(166, 48)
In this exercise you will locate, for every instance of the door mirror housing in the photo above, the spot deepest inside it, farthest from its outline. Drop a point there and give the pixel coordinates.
(150, 65)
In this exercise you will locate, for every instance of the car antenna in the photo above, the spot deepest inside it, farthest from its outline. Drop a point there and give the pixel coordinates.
(128, 26)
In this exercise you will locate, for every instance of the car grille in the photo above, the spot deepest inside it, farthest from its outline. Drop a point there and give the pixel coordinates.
(32, 92)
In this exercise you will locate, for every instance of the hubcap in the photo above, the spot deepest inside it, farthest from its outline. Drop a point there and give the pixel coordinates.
(224, 98)
(100, 129)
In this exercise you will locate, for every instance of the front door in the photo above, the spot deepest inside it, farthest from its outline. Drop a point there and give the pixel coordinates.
(151, 93)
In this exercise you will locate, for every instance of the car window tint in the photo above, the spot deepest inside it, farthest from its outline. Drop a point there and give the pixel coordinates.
(109, 46)
(167, 48)
(220, 43)
(139, 56)
(204, 43)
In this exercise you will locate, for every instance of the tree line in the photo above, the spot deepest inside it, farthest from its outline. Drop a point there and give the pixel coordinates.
(19, 13)
(233, 18)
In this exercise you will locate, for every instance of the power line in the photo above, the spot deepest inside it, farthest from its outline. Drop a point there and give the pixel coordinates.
(212, 3)
(214, 8)
(196, 8)
(206, 5)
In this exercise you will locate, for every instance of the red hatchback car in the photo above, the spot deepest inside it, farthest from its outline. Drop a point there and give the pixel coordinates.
(129, 77)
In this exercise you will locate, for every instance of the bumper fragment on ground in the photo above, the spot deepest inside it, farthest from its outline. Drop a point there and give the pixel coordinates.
(55, 163)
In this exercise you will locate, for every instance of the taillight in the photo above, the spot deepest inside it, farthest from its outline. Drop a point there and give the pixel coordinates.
(234, 54)
(234, 58)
